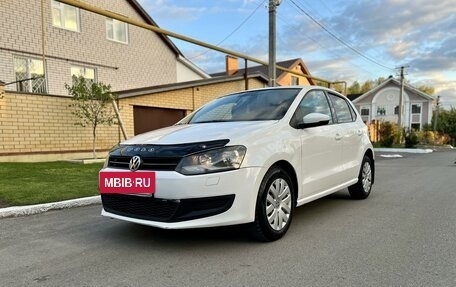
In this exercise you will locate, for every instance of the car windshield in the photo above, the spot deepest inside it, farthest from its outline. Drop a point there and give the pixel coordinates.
(260, 105)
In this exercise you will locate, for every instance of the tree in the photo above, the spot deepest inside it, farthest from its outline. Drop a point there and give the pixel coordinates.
(90, 103)
(379, 81)
(426, 89)
(355, 88)
(358, 88)
(367, 86)
(446, 122)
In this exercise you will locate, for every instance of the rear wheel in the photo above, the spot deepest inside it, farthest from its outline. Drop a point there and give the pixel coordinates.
(275, 206)
(362, 188)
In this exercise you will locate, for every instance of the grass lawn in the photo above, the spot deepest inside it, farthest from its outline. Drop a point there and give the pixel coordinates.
(32, 183)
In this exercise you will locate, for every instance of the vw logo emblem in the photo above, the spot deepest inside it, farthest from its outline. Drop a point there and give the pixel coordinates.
(135, 163)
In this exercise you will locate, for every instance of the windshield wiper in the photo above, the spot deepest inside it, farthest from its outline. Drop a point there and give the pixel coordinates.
(211, 121)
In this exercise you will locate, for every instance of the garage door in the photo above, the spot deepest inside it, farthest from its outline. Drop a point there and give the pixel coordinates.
(148, 118)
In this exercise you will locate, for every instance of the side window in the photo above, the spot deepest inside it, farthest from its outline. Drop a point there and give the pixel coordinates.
(343, 110)
(116, 30)
(65, 16)
(88, 73)
(30, 75)
(313, 102)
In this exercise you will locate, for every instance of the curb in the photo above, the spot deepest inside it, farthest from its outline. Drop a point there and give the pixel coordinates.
(15, 211)
(404, 150)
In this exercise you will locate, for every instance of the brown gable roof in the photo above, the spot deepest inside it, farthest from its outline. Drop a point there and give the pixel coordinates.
(263, 69)
(189, 84)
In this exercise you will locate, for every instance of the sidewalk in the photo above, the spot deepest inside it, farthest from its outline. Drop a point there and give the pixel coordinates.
(15, 211)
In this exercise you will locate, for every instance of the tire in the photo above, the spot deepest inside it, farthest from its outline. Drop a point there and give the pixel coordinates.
(275, 206)
(362, 188)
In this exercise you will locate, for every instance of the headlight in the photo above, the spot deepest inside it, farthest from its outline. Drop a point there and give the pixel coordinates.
(216, 160)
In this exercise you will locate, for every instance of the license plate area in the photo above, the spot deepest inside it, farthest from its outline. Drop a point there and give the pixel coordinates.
(127, 182)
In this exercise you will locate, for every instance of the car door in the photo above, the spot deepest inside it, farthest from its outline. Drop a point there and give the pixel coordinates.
(320, 146)
(351, 132)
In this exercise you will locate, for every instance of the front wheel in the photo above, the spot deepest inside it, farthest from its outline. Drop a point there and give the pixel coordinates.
(362, 188)
(275, 206)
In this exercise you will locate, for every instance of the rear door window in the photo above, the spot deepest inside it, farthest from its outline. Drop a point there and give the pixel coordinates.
(344, 114)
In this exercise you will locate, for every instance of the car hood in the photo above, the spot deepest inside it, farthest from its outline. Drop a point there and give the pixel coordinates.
(236, 132)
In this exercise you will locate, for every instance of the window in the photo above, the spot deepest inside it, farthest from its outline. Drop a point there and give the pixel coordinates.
(365, 111)
(313, 102)
(416, 109)
(65, 16)
(343, 112)
(416, 127)
(294, 80)
(396, 110)
(381, 111)
(88, 73)
(116, 31)
(30, 74)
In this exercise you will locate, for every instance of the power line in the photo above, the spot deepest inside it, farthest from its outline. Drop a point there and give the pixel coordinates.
(339, 39)
(232, 32)
(324, 48)
(326, 6)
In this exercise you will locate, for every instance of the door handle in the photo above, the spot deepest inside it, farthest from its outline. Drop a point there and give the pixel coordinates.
(338, 137)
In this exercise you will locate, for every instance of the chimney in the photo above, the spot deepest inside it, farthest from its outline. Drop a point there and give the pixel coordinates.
(232, 65)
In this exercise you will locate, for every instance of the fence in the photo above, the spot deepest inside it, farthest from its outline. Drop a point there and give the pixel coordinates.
(374, 131)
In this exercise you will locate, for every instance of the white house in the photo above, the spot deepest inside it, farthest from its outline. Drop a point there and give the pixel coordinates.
(382, 103)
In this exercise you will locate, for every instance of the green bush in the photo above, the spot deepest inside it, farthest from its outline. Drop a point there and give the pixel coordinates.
(411, 139)
(387, 133)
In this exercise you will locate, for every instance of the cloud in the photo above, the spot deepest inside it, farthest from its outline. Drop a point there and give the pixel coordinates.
(419, 33)
(169, 10)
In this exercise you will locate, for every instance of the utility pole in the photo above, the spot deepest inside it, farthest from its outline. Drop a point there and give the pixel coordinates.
(437, 108)
(401, 100)
(272, 41)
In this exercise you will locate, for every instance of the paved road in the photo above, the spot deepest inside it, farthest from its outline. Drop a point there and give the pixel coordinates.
(403, 235)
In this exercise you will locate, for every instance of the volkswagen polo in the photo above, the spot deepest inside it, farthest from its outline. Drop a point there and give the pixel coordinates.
(245, 158)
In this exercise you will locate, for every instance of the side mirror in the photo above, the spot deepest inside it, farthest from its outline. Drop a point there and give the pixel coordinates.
(314, 120)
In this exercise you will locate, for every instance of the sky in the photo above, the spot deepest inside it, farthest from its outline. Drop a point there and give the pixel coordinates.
(337, 40)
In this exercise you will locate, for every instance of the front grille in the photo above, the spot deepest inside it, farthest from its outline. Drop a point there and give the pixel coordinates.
(122, 162)
(154, 209)
(140, 207)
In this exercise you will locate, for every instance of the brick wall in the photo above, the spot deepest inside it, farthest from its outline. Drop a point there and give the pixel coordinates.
(44, 124)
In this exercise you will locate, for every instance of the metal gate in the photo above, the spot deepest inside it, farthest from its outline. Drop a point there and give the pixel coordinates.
(151, 118)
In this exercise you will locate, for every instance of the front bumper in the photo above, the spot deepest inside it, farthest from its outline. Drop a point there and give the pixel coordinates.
(217, 199)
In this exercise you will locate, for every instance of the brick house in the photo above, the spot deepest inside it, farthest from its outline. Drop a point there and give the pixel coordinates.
(35, 120)
(78, 42)
(382, 104)
(283, 78)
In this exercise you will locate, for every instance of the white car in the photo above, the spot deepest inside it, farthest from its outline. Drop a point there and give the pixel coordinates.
(245, 158)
